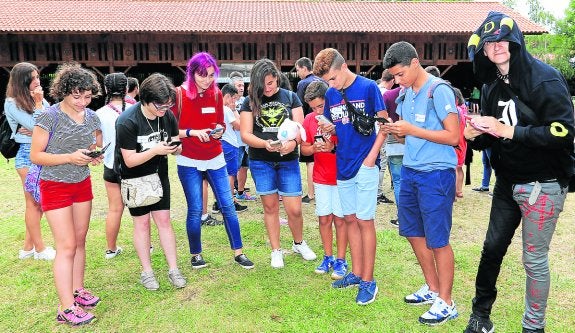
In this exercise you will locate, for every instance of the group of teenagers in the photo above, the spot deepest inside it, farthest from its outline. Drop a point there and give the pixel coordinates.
(526, 119)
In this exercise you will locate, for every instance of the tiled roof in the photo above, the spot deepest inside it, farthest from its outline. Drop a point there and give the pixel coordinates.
(249, 16)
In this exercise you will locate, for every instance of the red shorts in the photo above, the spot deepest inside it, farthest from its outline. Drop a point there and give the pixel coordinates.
(55, 195)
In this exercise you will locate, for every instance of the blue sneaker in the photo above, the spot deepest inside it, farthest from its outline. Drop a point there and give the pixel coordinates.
(325, 265)
(366, 293)
(339, 269)
(348, 281)
(245, 197)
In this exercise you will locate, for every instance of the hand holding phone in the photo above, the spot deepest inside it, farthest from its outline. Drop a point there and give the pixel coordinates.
(97, 153)
(175, 143)
(275, 144)
(322, 119)
(216, 131)
(381, 120)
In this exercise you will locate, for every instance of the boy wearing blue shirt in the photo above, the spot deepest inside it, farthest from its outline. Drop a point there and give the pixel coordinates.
(429, 123)
(357, 158)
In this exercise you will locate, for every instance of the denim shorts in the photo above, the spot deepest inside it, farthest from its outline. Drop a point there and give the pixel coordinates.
(231, 156)
(358, 195)
(276, 177)
(22, 160)
(327, 200)
(427, 205)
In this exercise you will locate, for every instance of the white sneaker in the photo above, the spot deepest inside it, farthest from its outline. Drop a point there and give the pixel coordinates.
(277, 258)
(422, 296)
(111, 254)
(48, 254)
(304, 250)
(439, 313)
(23, 254)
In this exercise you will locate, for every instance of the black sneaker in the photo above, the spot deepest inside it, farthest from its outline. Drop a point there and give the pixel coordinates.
(383, 199)
(481, 189)
(210, 221)
(198, 262)
(306, 200)
(240, 208)
(243, 261)
(478, 324)
(215, 207)
(394, 222)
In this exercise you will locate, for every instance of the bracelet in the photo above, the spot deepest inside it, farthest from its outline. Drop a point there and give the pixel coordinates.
(188, 132)
(294, 140)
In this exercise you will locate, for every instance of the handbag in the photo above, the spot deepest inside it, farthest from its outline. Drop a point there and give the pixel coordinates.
(141, 191)
(362, 123)
(8, 146)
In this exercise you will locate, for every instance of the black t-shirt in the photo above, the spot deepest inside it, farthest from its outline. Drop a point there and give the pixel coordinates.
(135, 132)
(274, 111)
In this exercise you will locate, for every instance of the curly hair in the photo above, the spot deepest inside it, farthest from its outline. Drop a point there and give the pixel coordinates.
(72, 78)
(19, 85)
(325, 60)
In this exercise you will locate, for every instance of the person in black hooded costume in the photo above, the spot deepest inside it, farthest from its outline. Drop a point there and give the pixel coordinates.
(527, 119)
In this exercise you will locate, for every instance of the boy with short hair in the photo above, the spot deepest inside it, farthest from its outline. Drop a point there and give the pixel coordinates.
(431, 129)
(328, 206)
(357, 160)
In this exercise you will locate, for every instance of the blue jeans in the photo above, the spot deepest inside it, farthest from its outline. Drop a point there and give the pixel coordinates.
(191, 179)
(395, 163)
(485, 157)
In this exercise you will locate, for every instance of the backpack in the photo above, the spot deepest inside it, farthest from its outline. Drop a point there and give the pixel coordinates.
(8, 146)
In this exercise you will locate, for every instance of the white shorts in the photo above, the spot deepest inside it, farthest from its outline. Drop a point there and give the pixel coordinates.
(327, 200)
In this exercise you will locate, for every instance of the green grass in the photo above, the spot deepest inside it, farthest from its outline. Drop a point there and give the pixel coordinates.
(225, 298)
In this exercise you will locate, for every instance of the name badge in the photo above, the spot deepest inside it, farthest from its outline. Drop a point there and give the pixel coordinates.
(208, 110)
(270, 129)
(420, 118)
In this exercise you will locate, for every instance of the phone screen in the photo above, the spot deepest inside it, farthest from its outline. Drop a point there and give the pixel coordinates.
(319, 138)
(216, 130)
(175, 143)
(276, 143)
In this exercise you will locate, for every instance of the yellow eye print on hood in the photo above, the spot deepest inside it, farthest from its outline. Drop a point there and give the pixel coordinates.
(488, 27)
(557, 129)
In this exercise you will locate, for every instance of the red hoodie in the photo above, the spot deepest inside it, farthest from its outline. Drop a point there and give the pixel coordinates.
(203, 112)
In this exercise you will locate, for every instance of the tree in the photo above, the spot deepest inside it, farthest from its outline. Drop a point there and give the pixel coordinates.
(557, 49)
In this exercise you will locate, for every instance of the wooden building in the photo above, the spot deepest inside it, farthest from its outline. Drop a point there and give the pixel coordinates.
(139, 37)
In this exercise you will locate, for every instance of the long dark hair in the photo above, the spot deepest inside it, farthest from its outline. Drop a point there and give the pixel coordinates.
(19, 86)
(261, 69)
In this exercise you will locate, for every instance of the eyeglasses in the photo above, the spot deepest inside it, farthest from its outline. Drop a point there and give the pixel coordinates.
(163, 107)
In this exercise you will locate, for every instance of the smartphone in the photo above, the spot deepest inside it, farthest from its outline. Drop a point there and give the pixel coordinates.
(323, 119)
(319, 138)
(96, 153)
(276, 143)
(175, 143)
(381, 120)
(216, 130)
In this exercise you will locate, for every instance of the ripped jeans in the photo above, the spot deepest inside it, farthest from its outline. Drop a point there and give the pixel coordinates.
(511, 206)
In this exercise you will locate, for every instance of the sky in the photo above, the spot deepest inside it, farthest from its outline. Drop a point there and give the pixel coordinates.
(555, 7)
